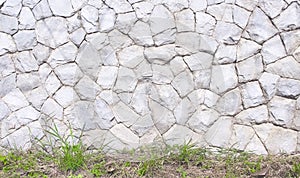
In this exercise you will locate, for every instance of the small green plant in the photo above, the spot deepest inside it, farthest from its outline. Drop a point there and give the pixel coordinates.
(148, 166)
(70, 155)
(182, 172)
(296, 169)
(98, 169)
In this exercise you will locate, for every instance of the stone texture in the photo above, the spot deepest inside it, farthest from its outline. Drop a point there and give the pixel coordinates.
(126, 80)
(107, 76)
(160, 55)
(230, 103)
(87, 89)
(26, 19)
(63, 54)
(257, 115)
(227, 33)
(107, 19)
(119, 6)
(6, 44)
(185, 20)
(124, 114)
(25, 39)
(61, 7)
(250, 69)
(42, 10)
(252, 94)
(131, 56)
(161, 19)
(282, 110)
(183, 83)
(68, 74)
(272, 50)
(288, 19)
(26, 62)
(246, 48)
(15, 100)
(287, 67)
(268, 83)
(199, 61)
(11, 24)
(11, 7)
(205, 23)
(288, 88)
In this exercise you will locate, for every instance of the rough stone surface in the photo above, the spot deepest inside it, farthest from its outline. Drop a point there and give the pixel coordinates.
(131, 73)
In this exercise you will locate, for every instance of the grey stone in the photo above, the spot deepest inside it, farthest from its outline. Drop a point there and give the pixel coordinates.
(288, 18)
(61, 7)
(184, 43)
(220, 132)
(30, 3)
(183, 111)
(126, 80)
(63, 54)
(185, 20)
(272, 8)
(202, 119)
(104, 113)
(287, 67)
(109, 97)
(221, 12)
(90, 17)
(256, 146)
(250, 69)
(73, 22)
(230, 103)
(223, 78)
(241, 136)
(143, 9)
(87, 89)
(107, 76)
(143, 125)
(108, 55)
(166, 96)
(52, 31)
(139, 100)
(26, 19)
(282, 111)
(131, 56)
(8, 24)
(165, 37)
(247, 4)
(161, 54)
(125, 114)
(68, 74)
(25, 39)
(272, 50)
(240, 16)
(15, 100)
(7, 43)
(42, 10)
(252, 94)
(125, 135)
(118, 39)
(183, 83)
(276, 139)
(256, 115)
(205, 23)
(289, 88)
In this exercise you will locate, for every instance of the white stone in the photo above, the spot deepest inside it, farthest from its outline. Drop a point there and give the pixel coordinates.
(41, 53)
(44, 72)
(268, 83)
(52, 109)
(52, 84)
(104, 113)
(143, 70)
(141, 34)
(230, 103)
(276, 139)
(246, 48)
(12, 7)
(87, 89)
(166, 96)
(256, 146)
(61, 7)
(7, 84)
(225, 54)
(176, 6)
(162, 117)
(177, 65)
(161, 54)
(291, 40)
(143, 125)
(126, 80)
(161, 19)
(125, 114)
(199, 61)
(210, 98)
(272, 50)
(125, 135)
(221, 12)
(131, 56)
(42, 10)
(125, 21)
(37, 97)
(107, 19)
(272, 7)
(4, 110)
(52, 31)
(28, 81)
(119, 6)
(252, 94)
(202, 78)
(26, 19)
(7, 66)
(241, 136)
(227, 33)
(282, 110)
(256, 115)
(196, 5)
(183, 83)
(69, 74)
(256, 30)
(15, 100)
(78, 4)
(98, 40)
(143, 9)
(180, 135)
(140, 99)
(118, 39)
(109, 97)
(223, 78)
(89, 60)
(202, 119)
(90, 16)
(183, 111)
(6, 43)
(8, 24)
(220, 132)
(208, 44)
(77, 36)
(26, 62)
(289, 88)
(288, 19)
(108, 55)
(296, 54)
(74, 22)
(63, 54)
(240, 16)
(165, 37)
(185, 20)
(29, 3)
(65, 96)
(161, 74)
(95, 3)
(107, 76)
(25, 39)
(250, 69)
(247, 4)
(184, 43)
(287, 67)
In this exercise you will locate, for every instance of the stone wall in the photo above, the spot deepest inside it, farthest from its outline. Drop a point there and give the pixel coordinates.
(221, 73)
